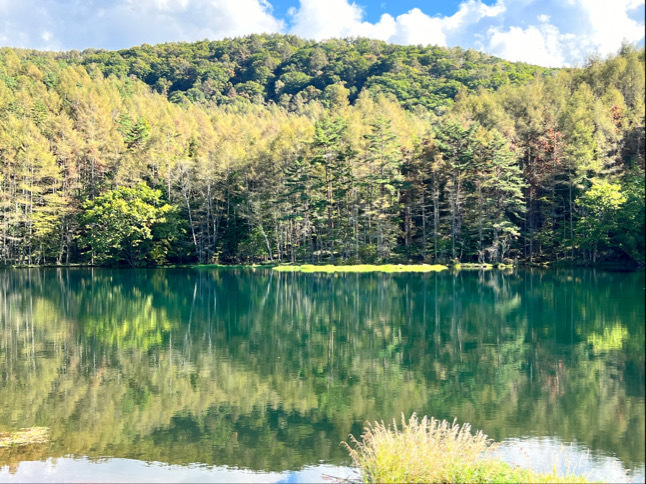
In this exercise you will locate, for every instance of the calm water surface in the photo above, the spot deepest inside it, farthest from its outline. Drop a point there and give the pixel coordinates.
(239, 375)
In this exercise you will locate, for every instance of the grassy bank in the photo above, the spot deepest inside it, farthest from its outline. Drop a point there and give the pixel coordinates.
(363, 268)
(428, 450)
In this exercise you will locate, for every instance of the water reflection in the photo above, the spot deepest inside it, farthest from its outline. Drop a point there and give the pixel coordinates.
(549, 454)
(542, 455)
(128, 470)
(270, 371)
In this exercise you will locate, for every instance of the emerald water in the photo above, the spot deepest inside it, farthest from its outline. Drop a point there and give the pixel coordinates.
(241, 374)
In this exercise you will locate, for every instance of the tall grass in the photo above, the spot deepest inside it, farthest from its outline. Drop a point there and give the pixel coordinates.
(429, 450)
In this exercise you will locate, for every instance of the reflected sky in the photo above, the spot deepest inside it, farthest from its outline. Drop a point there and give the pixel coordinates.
(128, 470)
(541, 455)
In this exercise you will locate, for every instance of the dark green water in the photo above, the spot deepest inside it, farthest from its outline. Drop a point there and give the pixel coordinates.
(268, 371)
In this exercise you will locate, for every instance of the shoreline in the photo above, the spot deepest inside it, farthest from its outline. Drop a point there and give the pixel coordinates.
(332, 268)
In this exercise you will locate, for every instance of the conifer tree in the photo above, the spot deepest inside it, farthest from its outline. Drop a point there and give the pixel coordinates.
(383, 185)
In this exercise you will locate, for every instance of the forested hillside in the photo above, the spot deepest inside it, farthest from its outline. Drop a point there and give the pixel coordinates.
(280, 149)
(291, 71)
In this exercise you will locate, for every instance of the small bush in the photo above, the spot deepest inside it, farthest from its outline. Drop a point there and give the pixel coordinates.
(430, 450)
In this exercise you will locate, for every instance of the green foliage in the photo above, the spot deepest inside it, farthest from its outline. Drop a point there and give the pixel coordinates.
(632, 217)
(502, 186)
(600, 206)
(383, 182)
(134, 133)
(274, 65)
(456, 144)
(121, 223)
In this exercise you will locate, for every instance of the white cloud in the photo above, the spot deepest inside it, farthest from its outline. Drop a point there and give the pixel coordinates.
(123, 23)
(197, 19)
(415, 27)
(573, 29)
(541, 45)
(610, 24)
(471, 12)
(322, 20)
(167, 5)
(382, 30)
(340, 18)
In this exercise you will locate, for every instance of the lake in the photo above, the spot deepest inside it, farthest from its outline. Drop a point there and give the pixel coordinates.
(251, 374)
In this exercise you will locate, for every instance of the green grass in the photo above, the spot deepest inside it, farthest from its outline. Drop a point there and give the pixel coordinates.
(430, 450)
(33, 435)
(362, 268)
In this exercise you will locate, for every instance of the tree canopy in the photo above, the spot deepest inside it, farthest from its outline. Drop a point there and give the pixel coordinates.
(273, 148)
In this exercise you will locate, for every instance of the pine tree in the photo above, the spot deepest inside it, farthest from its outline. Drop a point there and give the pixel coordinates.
(502, 186)
(330, 156)
(456, 146)
(383, 185)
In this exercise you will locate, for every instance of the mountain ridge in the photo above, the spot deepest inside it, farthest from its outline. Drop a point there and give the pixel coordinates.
(289, 70)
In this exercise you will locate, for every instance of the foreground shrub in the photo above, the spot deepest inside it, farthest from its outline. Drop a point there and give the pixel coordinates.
(430, 450)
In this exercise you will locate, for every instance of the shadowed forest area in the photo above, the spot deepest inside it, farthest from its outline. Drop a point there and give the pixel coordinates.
(274, 148)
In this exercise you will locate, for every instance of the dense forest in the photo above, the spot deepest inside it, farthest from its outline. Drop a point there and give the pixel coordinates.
(274, 148)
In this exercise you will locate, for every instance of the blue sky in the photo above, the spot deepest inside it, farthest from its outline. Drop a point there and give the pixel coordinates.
(373, 9)
(544, 32)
